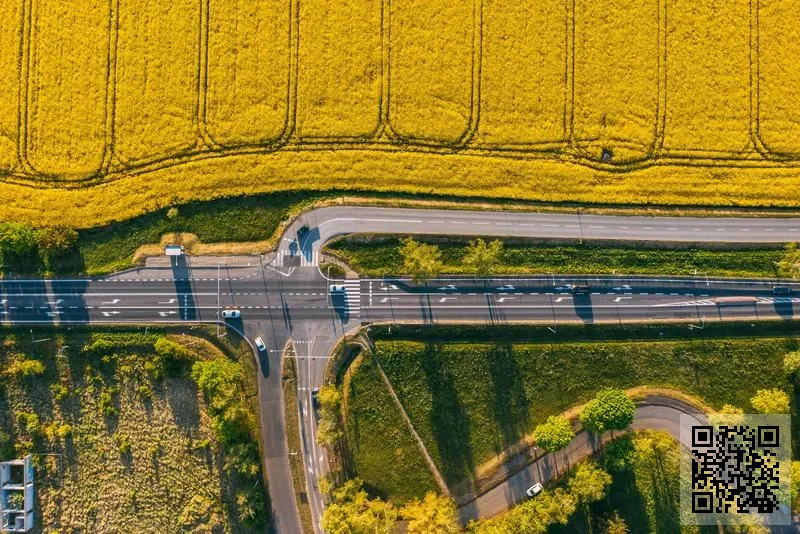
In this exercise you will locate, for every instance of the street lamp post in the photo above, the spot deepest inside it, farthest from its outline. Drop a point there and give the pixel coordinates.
(580, 224)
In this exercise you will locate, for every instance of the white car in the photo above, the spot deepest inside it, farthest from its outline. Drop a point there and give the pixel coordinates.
(336, 288)
(260, 345)
(534, 490)
(231, 314)
(507, 287)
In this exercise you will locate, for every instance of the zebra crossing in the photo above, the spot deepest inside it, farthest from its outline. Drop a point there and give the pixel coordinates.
(286, 258)
(352, 297)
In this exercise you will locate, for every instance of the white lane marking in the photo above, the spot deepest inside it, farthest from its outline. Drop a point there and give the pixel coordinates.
(503, 299)
(620, 299)
(443, 299)
(387, 299)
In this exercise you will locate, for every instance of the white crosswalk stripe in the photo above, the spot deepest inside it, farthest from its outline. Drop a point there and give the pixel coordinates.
(281, 259)
(352, 289)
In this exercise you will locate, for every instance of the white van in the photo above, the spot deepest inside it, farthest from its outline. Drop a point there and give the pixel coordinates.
(231, 314)
(336, 288)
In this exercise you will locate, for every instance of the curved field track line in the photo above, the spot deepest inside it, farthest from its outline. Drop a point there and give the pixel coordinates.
(23, 116)
(201, 111)
(111, 87)
(755, 83)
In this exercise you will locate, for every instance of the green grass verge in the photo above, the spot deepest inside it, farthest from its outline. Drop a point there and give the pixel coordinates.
(378, 256)
(111, 248)
(381, 449)
(470, 401)
(119, 447)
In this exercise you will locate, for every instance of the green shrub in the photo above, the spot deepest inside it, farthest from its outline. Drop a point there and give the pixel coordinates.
(123, 443)
(154, 368)
(59, 391)
(106, 401)
(172, 351)
(144, 391)
(25, 368)
(100, 346)
(29, 422)
(56, 431)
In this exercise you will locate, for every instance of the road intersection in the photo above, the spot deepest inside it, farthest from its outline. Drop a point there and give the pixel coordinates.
(284, 298)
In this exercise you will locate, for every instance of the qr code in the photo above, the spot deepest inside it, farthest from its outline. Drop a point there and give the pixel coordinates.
(738, 467)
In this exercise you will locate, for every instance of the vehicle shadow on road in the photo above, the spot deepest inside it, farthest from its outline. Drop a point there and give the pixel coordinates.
(583, 308)
(784, 308)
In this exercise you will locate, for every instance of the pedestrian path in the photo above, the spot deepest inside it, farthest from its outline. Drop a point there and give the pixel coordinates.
(352, 289)
(286, 258)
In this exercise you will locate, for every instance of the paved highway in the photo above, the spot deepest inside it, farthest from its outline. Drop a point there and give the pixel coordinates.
(285, 299)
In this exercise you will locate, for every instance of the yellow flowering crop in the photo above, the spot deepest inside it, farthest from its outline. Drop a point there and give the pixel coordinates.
(616, 77)
(10, 30)
(708, 77)
(524, 78)
(779, 76)
(431, 68)
(248, 71)
(339, 79)
(67, 80)
(157, 79)
(110, 108)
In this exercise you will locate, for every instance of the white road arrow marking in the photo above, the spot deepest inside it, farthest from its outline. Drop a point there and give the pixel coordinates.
(626, 287)
(387, 288)
(164, 314)
(53, 313)
(170, 301)
(109, 314)
(447, 298)
(620, 299)
(3, 302)
(387, 299)
(115, 301)
(559, 299)
(505, 298)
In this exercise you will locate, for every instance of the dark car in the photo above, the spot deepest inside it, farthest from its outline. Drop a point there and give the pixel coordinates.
(781, 290)
(580, 289)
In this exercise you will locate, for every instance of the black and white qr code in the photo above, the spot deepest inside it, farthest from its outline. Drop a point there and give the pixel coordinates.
(736, 469)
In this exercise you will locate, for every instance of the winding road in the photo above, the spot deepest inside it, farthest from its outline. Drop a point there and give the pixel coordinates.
(284, 298)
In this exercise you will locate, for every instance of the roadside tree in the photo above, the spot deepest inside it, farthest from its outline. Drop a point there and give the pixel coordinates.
(589, 482)
(421, 261)
(434, 514)
(482, 257)
(17, 238)
(55, 240)
(770, 401)
(352, 511)
(611, 409)
(616, 525)
(791, 364)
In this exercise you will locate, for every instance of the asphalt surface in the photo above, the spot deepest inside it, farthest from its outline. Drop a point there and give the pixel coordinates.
(285, 299)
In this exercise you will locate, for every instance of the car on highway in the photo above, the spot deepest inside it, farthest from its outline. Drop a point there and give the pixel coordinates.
(580, 289)
(781, 290)
(448, 287)
(534, 490)
(336, 288)
(315, 397)
(231, 314)
(507, 287)
(260, 345)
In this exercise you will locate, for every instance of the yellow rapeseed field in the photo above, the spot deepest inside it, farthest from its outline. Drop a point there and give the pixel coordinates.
(111, 108)
(10, 30)
(524, 76)
(708, 77)
(339, 78)
(157, 79)
(616, 77)
(430, 96)
(779, 76)
(67, 79)
(249, 55)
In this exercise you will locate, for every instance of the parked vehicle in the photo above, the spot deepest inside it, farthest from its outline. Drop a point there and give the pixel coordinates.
(260, 345)
(231, 314)
(781, 290)
(534, 490)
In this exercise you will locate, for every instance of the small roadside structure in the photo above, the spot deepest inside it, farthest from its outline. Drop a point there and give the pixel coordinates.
(16, 495)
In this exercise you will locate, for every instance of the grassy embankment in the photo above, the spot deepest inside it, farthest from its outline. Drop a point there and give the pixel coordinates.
(123, 439)
(381, 449)
(470, 401)
(376, 257)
